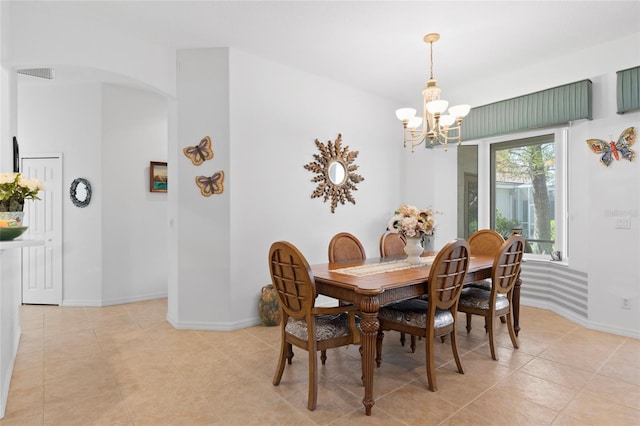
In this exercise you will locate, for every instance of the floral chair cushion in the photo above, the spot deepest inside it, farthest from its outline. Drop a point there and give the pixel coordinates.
(327, 327)
(479, 298)
(413, 312)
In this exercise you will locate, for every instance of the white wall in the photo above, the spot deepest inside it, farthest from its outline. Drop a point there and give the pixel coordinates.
(69, 121)
(66, 120)
(201, 224)
(135, 223)
(277, 113)
(7, 90)
(431, 182)
(609, 255)
(533, 76)
(115, 249)
(44, 35)
(597, 194)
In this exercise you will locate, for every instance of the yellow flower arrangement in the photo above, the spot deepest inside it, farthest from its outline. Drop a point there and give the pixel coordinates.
(14, 189)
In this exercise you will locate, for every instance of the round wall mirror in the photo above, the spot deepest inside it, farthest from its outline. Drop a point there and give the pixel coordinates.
(337, 173)
(80, 192)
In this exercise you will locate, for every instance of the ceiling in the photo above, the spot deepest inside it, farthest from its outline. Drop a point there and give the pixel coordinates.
(376, 46)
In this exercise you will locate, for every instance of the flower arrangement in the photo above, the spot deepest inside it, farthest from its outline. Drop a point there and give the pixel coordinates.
(14, 189)
(412, 221)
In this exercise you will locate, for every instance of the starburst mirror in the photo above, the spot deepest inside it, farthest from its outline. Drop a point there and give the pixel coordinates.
(334, 168)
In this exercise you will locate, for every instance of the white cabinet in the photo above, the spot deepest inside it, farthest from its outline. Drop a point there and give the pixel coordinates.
(10, 287)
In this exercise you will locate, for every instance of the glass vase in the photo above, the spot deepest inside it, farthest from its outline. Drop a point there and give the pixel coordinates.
(428, 243)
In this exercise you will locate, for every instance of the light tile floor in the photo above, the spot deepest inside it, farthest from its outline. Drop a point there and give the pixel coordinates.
(125, 365)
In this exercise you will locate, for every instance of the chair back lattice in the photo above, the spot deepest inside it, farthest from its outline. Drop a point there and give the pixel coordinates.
(292, 278)
(485, 242)
(392, 244)
(447, 275)
(506, 266)
(345, 246)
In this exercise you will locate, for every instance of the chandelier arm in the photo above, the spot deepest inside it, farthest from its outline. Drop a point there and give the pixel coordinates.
(416, 138)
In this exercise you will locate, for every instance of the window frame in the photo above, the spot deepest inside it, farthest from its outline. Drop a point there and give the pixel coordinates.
(560, 136)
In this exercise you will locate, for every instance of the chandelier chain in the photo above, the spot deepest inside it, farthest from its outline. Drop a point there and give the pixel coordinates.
(431, 60)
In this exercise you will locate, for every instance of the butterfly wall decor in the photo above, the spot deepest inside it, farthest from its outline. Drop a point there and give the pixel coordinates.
(210, 185)
(199, 153)
(613, 149)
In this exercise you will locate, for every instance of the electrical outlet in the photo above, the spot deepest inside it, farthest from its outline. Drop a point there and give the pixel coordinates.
(625, 304)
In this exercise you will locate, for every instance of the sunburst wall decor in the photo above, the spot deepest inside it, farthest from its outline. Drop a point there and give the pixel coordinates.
(335, 168)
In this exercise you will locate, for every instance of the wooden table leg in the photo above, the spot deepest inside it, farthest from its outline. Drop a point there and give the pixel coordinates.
(516, 305)
(369, 325)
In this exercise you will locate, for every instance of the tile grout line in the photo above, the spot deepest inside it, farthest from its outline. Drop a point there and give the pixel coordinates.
(534, 357)
(515, 366)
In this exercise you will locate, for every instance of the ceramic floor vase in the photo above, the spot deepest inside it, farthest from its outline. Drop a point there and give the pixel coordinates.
(268, 306)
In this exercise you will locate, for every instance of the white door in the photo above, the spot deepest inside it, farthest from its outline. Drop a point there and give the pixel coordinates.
(42, 265)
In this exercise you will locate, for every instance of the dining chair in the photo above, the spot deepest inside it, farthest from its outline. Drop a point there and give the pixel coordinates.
(496, 302)
(345, 246)
(303, 324)
(485, 242)
(435, 316)
(392, 244)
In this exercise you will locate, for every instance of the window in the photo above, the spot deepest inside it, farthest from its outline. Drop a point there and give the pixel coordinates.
(520, 187)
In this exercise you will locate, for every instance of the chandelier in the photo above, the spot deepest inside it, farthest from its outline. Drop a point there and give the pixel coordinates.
(437, 126)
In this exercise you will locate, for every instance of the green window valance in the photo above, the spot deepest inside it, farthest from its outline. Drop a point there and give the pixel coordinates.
(550, 107)
(628, 90)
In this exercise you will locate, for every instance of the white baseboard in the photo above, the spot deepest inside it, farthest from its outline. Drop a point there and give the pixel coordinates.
(111, 302)
(250, 322)
(82, 303)
(591, 325)
(134, 299)
(213, 326)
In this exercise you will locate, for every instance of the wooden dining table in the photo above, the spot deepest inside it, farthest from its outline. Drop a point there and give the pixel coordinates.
(374, 282)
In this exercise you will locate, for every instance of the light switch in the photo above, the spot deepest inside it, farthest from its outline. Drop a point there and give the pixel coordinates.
(623, 222)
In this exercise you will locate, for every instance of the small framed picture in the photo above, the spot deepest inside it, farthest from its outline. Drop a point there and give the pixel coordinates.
(157, 176)
(16, 155)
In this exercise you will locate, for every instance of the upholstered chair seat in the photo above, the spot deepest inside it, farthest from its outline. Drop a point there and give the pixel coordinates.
(479, 298)
(327, 327)
(481, 284)
(413, 313)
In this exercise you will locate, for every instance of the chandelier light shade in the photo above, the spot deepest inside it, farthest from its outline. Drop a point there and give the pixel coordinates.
(437, 126)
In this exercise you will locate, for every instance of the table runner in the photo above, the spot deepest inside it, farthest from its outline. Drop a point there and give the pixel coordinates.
(380, 268)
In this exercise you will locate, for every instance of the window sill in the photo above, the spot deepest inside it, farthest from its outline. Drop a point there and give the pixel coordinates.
(545, 259)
